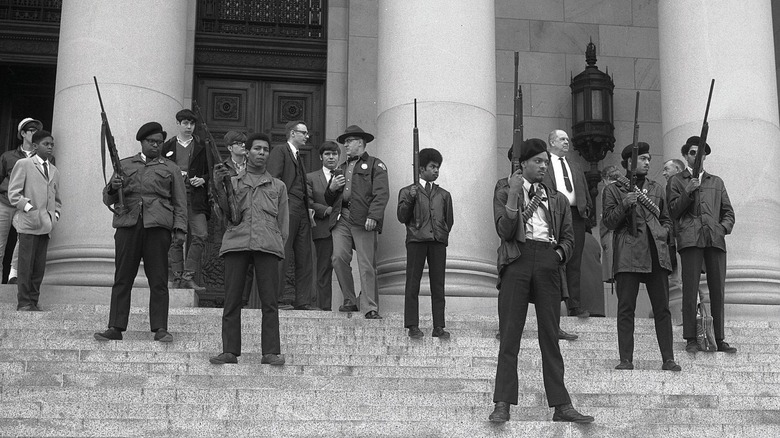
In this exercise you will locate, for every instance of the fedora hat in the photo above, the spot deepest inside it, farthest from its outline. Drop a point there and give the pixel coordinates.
(355, 131)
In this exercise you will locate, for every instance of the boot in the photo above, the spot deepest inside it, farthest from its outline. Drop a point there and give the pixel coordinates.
(175, 282)
(188, 282)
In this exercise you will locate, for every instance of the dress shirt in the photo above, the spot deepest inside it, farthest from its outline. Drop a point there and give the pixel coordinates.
(560, 183)
(536, 227)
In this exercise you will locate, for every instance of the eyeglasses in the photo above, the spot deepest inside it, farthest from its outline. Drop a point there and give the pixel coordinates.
(305, 133)
(153, 141)
(238, 144)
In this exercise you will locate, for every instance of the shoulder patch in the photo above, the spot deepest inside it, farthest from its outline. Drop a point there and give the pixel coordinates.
(381, 165)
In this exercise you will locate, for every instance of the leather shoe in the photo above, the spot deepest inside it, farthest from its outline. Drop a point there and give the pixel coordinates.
(566, 336)
(223, 358)
(112, 334)
(671, 365)
(692, 346)
(574, 311)
(28, 308)
(307, 307)
(12, 280)
(440, 333)
(373, 315)
(284, 306)
(501, 413)
(625, 365)
(726, 348)
(162, 335)
(35, 308)
(348, 308)
(568, 413)
(272, 359)
(415, 332)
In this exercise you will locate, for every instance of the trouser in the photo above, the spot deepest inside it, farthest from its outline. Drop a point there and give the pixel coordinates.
(347, 236)
(32, 265)
(198, 230)
(134, 244)
(714, 260)
(416, 254)
(324, 249)
(6, 221)
(298, 248)
(657, 283)
(532, 277)
(574, 264)
(266, 272)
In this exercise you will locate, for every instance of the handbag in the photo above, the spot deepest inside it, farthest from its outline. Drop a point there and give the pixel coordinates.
(705, 332)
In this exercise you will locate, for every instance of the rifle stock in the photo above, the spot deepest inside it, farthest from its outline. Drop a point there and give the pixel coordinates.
(517, 132)
(705, 128)
(632, 170)
(107, 142)
(234, 211)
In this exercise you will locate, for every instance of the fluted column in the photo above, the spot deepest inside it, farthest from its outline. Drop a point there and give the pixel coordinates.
(443, 54)
(137, 51)
(731, 41)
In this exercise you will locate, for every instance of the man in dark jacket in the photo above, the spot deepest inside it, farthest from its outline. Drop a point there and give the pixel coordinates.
(155, 207)
(187, 151)
(362, 191)
(641, 254)
(426, 210)
(703, 217)
(533, 222)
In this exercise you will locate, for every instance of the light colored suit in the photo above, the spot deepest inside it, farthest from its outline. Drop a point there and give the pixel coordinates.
(28, 184)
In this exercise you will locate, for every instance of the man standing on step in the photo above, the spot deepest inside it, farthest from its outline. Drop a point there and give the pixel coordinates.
(363, 191)
(25, 131)
(155, 206)
(187, 151)
(34, 190)
(257, 240)
(533, 222)
(286, 163)
(567, 178)
(703, 216)
(640, 254)
(426, 210)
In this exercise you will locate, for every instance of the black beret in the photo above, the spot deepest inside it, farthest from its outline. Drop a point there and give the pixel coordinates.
(644, 148)
(694, 141)
(532, 147)
(148, 129)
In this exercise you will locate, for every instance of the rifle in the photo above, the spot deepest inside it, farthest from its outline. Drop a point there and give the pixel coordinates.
(107, 141)
(517, 133)
(234, 211)
(415, 148)
(632, 170)
(705, 128)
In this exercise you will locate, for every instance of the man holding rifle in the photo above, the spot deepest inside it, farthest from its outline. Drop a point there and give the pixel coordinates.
(703, 217)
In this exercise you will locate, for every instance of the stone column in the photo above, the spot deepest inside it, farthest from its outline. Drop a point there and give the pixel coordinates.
(731, 41)
(443, 54)
(137, 51)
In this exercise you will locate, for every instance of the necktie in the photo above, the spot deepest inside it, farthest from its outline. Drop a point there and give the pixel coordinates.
(566, 179)
(46, 169)
(530, 209)
(428, 187)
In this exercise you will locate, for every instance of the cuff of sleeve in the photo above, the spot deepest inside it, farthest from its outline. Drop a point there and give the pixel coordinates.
(28, 207)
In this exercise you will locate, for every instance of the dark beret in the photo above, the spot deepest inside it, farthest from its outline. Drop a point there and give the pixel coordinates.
(532, 147)
(149, 129)
(644, 148)
(694, 141)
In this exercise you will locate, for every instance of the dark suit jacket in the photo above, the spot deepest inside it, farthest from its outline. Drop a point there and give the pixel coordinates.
(317, 187)
(584, 203)
(282, 165)
(198, 166)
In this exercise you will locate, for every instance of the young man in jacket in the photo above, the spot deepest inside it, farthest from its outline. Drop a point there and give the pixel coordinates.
(426, 210)
(703, 216)
(641, 254)
(34, 190)
(257, 240)
(533, 223)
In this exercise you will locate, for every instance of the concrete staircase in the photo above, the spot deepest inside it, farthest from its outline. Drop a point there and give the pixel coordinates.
(347, 376)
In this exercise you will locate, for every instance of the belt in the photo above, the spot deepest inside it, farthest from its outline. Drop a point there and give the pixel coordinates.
(539, 243)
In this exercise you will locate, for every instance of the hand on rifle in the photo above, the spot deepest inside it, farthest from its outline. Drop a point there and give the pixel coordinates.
(337, 182)
(516, 182)
(630, 200)
(116, 182)
(179, 236)
(197, 181)
(413, 190)
(220, 172)
(692, 186)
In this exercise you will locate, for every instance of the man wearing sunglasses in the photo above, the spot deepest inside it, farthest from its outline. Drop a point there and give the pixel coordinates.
(703, 217)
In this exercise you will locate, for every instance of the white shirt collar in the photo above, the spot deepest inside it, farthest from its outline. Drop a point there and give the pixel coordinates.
(38, 159)
(293, 149)
(184, 143)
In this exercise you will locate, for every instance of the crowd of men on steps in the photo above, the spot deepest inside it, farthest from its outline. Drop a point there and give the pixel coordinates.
(274, 211)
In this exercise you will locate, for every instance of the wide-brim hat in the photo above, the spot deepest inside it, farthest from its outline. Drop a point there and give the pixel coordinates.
(148, 129)
(644, 148)
(23, 125)
(355, 131)
(694, 141)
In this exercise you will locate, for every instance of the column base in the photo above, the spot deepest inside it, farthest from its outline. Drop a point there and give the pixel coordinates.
(464, 278)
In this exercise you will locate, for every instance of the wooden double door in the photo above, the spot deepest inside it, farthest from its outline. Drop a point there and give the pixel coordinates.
(254, 105)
